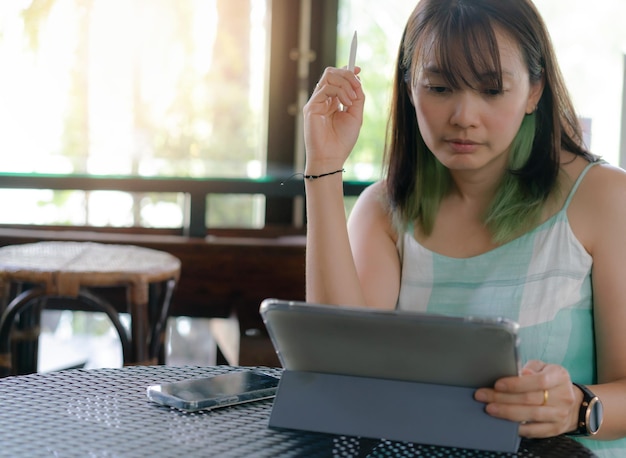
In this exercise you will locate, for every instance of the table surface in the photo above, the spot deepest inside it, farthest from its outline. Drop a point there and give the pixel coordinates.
(105, 413)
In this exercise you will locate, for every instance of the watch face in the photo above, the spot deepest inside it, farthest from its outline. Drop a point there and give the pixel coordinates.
(594, 415)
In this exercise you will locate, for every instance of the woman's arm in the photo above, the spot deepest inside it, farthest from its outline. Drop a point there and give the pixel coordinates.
(373, 242)
(333, 274)
(358, 266)
(601, 212)
(332, 121)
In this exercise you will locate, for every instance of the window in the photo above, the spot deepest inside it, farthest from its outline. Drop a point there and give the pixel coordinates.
(173, 88)
(212, 89)
(135, 87)
(590, 43)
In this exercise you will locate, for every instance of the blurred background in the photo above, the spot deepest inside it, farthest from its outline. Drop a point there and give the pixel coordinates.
(200, 89)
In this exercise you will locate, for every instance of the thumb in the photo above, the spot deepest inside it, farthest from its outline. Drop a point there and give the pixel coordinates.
(532, 367)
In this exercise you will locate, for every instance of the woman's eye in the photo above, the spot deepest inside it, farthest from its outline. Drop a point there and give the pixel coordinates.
(492, 92)
(438, 89)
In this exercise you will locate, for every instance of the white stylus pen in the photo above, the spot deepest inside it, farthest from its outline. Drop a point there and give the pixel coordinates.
(352, 59)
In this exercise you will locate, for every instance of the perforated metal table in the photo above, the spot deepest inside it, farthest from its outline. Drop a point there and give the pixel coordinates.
(105, 413)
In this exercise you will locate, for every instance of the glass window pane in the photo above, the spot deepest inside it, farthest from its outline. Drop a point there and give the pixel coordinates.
(590, 43)
(235, 210)
(133, 87)
(93, 208)
(379, 28)
(42, 206)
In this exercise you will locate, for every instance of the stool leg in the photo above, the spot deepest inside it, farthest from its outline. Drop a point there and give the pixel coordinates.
(17, 305)
(28, 328)
(97, 304)
(157, 333)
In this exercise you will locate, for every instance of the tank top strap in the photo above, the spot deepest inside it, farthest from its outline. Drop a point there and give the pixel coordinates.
(578, 181)
(410, 226)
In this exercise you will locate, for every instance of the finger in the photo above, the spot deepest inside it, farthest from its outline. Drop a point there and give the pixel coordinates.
(340, 77)
(530, 398)
(536, 430)
(330, 72)
(328, 91)
(341, 90)
(322, 105)
(525, 413)
(356, 109)
(548, 377)
(534, 422)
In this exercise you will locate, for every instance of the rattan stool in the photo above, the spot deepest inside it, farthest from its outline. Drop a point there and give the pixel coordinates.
(33, 274)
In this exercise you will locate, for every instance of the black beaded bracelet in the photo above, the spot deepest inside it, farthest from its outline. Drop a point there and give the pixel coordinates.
(315, 177)
(312, 177)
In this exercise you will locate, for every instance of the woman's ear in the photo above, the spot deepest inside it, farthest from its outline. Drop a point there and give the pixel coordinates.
(536, 90)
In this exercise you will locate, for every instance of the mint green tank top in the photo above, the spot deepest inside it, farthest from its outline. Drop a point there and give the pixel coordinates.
(541, 280)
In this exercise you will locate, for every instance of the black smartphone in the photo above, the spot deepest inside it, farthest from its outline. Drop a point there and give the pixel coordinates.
(216, 391)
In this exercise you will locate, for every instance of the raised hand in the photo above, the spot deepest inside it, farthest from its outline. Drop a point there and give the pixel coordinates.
(332, 119)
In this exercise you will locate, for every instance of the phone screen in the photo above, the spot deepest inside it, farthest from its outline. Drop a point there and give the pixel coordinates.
(215, 391)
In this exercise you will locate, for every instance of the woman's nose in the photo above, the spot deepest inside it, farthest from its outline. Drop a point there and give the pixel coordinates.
(465, 109)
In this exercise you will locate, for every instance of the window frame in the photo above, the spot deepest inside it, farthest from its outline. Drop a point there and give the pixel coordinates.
(285, 84)
(284, 114)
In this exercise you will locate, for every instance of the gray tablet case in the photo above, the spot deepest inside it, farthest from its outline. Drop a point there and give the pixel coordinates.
(390, 374)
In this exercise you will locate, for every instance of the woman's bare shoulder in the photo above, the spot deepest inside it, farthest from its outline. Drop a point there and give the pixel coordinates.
(373, 208)
(375, 197)
(377, 189)
(605, 183)
(599, 202)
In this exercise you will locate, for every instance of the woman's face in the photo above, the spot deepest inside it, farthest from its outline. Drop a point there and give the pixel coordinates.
(471, 128)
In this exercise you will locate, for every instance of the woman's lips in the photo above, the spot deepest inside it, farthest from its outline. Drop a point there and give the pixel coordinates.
(463, 146)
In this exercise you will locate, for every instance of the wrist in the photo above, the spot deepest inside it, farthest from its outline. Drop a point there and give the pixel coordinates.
(575, 410)
(322, 175)
(319, 167)
(590, 413)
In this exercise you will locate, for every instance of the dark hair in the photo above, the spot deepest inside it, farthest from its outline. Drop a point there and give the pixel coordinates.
(461, 34)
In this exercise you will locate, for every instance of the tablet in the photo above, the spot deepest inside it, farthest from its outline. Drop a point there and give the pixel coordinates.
(398, 345)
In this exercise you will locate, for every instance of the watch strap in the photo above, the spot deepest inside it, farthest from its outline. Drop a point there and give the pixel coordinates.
(589, 414)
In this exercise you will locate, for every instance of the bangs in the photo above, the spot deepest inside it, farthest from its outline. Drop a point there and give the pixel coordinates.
(462, 47)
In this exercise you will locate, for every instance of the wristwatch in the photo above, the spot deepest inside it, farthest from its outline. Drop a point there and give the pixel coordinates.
(589, 415)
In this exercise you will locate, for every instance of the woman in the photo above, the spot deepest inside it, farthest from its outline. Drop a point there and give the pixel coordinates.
(490, 205)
